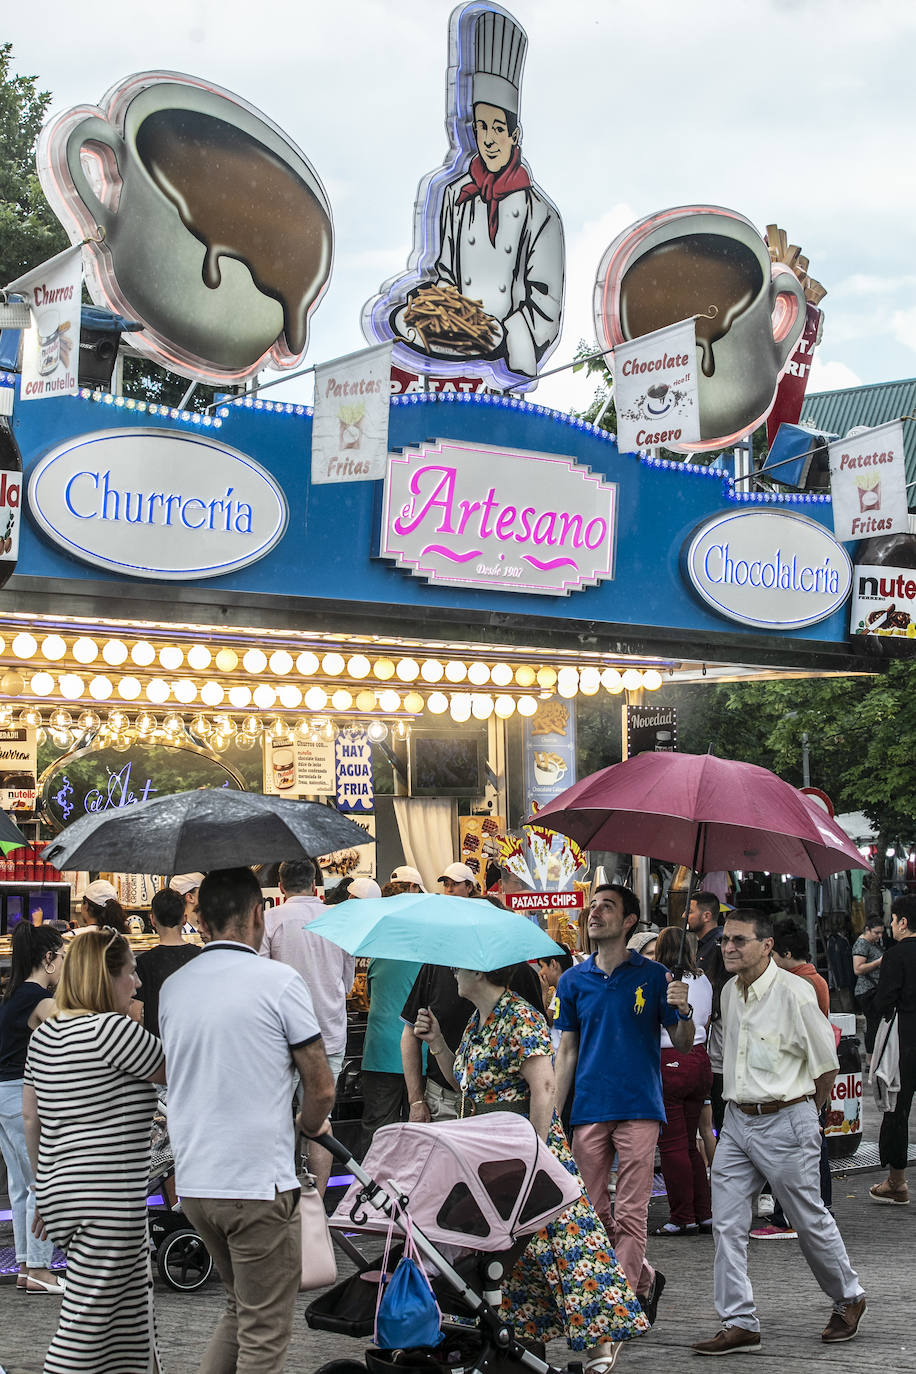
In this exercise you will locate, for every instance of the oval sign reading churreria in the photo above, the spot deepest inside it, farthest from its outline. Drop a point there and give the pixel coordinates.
(769, 569)
(155, 504)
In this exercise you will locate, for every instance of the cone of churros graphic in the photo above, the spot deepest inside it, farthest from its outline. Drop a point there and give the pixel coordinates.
(868, 486)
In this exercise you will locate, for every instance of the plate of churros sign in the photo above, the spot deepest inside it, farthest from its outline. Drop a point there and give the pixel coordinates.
(444, 324)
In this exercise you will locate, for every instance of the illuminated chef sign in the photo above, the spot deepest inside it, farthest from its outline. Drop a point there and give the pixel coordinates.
(476, 516)
(768, 569)
(157, 504)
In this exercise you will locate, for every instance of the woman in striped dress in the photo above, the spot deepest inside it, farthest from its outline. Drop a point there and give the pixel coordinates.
(88, 1103)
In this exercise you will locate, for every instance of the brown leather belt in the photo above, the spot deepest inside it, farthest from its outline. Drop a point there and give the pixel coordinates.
(769, 1108)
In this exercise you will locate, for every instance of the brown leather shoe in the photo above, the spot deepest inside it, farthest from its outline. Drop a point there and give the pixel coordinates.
(729, 1341)
(844, 1321)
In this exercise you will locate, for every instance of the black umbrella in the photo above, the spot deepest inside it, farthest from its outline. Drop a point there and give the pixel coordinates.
(11, 837)
(202, 830)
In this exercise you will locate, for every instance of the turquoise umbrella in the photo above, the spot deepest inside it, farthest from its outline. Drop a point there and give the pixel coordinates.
(427, 927)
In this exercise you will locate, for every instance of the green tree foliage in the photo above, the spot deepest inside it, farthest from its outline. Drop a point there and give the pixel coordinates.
(29, 230)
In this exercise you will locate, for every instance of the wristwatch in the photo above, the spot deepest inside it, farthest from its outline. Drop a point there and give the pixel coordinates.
(685, 1016)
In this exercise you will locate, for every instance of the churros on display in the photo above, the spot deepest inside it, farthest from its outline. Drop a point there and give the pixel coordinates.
(443, 318)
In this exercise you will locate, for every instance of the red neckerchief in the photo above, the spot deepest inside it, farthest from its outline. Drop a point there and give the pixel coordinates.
(491, 187)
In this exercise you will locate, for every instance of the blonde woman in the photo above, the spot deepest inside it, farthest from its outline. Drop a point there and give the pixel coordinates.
(87, 1103)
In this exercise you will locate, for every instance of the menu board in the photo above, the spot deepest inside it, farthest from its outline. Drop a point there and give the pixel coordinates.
(299, 768)
(550, 751)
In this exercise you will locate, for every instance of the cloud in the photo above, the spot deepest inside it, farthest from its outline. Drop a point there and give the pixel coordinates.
(831, 376)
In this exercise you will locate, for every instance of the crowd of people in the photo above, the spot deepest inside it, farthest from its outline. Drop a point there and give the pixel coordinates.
(712, 1044)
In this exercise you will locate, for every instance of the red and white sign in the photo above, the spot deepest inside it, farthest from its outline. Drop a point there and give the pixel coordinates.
(544, 901)
(793, 383)
(868, 483)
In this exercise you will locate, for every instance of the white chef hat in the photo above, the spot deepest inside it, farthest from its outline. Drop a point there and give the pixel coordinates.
(183, 883)
(499, 59)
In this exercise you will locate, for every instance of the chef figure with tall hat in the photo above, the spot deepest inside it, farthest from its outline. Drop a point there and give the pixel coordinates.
(500, 237)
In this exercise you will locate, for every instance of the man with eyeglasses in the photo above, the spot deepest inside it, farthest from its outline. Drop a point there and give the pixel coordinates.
(779, 1060)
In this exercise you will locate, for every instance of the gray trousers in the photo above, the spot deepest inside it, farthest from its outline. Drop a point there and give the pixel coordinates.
(784, 1148)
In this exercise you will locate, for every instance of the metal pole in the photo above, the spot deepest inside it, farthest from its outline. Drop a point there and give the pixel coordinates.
(810, 885)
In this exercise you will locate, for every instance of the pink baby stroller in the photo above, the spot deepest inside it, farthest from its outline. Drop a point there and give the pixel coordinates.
(475, 1192)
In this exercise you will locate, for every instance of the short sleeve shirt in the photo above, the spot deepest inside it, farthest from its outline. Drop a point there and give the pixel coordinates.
(618, 1018)
(14, 1028)
(867, 982)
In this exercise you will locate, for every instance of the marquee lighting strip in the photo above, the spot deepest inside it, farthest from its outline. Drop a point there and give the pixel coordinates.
(130, 403)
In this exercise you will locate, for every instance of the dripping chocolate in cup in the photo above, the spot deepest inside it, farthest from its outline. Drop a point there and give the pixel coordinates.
(215, 230)
(710, 263)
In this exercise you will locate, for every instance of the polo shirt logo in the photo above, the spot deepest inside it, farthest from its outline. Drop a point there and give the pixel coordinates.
(639, 1004)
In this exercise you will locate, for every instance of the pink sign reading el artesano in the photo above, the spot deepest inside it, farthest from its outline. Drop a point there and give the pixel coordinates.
(476, 516)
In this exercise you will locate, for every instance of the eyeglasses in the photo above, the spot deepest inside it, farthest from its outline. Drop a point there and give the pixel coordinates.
(739, 941)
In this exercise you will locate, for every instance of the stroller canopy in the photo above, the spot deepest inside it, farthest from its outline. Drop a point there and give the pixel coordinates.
(480, 1183)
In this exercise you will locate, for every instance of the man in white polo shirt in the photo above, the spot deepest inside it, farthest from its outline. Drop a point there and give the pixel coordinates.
(235, 1031)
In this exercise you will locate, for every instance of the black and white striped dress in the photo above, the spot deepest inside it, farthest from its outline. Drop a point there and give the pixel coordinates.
(95, 1105)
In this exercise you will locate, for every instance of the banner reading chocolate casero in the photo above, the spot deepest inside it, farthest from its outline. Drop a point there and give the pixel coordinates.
(483, 290)
(655, 389)
(868, 483)
(711, 264)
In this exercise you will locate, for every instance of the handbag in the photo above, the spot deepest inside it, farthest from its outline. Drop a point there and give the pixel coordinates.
(319, 1265)
(406, 1313)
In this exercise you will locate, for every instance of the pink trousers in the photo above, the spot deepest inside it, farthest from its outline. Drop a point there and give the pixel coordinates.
(634, 1142)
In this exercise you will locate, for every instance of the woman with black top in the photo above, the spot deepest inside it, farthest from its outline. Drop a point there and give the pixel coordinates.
(38, 953)
(100, 907)
(897, 992)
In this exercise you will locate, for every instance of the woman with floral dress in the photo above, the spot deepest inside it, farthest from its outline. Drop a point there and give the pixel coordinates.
(567, 1282)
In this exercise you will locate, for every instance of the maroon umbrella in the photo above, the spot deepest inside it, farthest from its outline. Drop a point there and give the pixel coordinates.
(707, 813)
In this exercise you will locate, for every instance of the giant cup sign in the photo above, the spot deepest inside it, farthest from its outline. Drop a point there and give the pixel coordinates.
(768, 569)
(154, 504)
(475, 516)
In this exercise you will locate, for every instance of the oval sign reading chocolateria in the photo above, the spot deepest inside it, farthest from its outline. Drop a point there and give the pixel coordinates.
(768, 568)
(153, 503)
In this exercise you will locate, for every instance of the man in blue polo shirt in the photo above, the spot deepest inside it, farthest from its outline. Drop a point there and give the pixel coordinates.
(612, 1008)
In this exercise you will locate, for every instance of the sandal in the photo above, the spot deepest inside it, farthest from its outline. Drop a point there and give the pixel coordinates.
(883, 1192)
(604, 1364)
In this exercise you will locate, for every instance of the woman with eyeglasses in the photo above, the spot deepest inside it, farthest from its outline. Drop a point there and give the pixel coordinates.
(37, 957)
(88, 1104)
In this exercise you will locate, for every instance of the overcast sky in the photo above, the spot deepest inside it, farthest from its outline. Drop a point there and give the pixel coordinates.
(794, 111)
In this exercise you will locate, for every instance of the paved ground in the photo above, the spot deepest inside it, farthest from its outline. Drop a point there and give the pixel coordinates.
(881, 1243)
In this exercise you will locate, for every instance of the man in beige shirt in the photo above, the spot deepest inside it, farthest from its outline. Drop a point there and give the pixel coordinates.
(779, 1063)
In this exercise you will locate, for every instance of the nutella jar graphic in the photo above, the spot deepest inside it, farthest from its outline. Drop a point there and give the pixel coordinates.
(284, 766)
(884, 594)
(10, 500)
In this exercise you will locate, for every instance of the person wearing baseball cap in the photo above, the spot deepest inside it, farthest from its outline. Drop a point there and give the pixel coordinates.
(100, 907)
(363, 888)
(458, 881)
(409, 878)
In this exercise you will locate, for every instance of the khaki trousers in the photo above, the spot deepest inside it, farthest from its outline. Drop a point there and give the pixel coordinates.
(257, 1249)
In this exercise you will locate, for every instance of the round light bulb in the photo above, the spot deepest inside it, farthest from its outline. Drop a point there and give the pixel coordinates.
(366, 701)
(89, 720)
(171, 658)
(316, 699)
(358, 666)
(568, 674)
(307, 664)
(281, 662)
(212, 694)
(383, 669)
(278, 729)
(333, 664)
(60, 719)
(290, 696)
(244, 741)
(501, 674)
(30, 716)
(478, 673)
(129, 688)
(227, 660)
(158, 691)
(460, 707)
(568, 687)
(42, 684)
(432, 671)
(504, 706)
(12, 683)
(101, 688)
(611, 680)
(251, 725)
(85, 650)
(413, 703)
(54, 648)
(173, 723)
(546, 678)
(437, 703)
(652, 680)
(184, 690)
(526, 706)
(632, 679)
(143, 654)
(199, 657)
(525, 675)
(255, 661)
(71, 686)
(389, 701)
(240, 696)
(377, 730)
(589, 681)
(117, 720)
(455, 671)
(201, 726)
(146, 723)
(408, 669)
(342, 700)
(481, 705)
(114, 652)
(25, 646)
(264, 696)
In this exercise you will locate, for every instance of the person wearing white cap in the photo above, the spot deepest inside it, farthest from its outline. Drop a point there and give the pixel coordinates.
(326, 969)
(458, 881)
(187, 886)
(501, 238)
(100, 907)
(409, 878)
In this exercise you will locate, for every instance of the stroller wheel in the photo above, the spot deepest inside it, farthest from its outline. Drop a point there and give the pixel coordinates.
(183, 1261)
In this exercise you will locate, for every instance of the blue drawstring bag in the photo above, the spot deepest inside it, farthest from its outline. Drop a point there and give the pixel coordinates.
(406, 1313)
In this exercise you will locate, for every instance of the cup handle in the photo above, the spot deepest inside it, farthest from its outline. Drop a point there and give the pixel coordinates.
(788, 298)
(92, 130)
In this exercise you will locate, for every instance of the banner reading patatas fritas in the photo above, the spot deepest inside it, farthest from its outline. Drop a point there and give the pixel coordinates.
(655, 389)
(51, 347)
(868, 483)
(350, 425)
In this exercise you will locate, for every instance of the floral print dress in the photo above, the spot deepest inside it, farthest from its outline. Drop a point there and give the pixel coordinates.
(567, 1282)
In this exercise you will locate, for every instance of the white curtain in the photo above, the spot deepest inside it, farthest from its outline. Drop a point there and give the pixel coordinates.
(428, 830)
